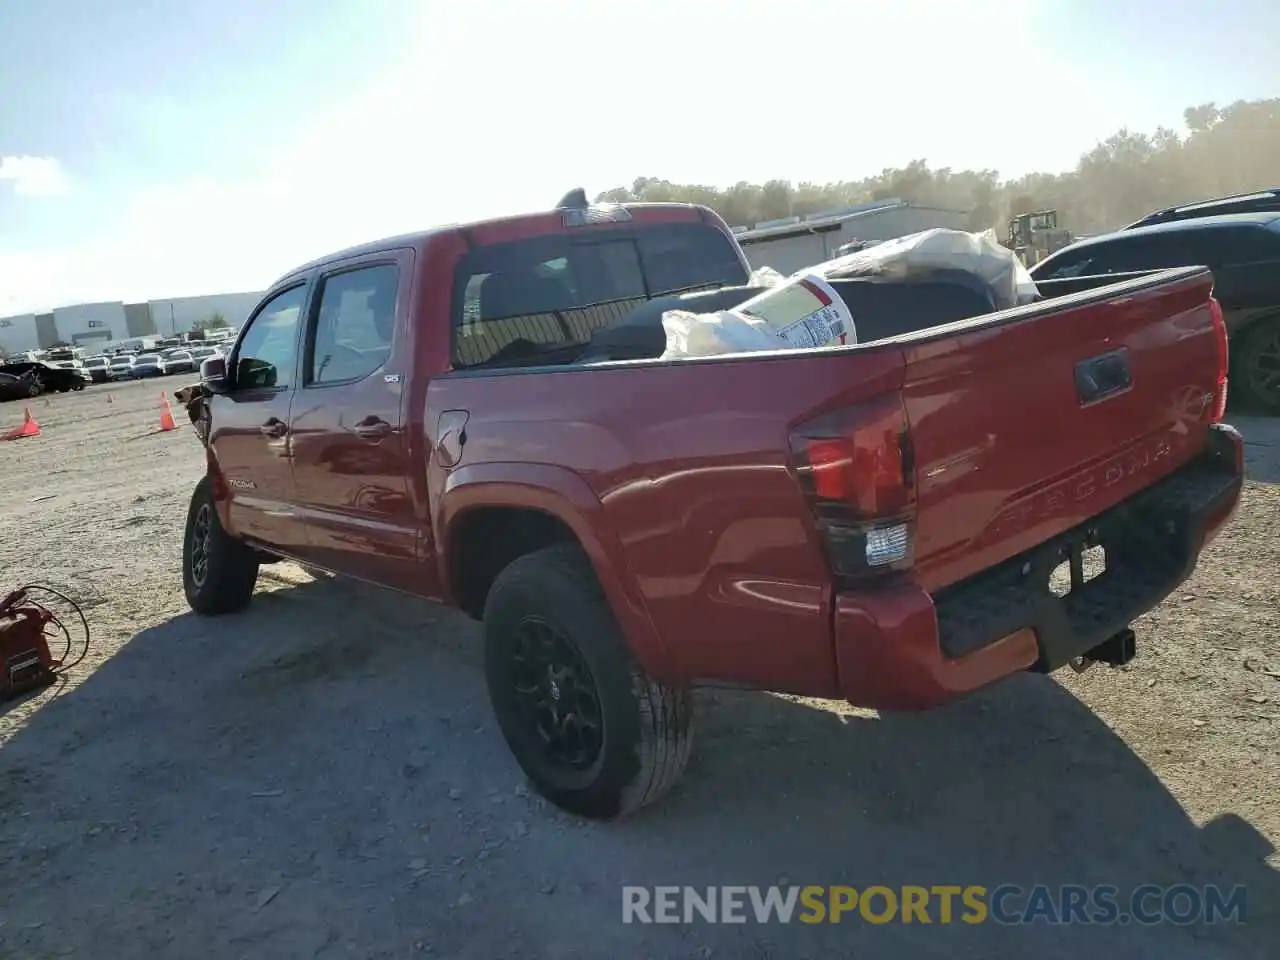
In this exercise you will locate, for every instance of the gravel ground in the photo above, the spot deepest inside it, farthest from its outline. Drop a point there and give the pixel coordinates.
(321, 777)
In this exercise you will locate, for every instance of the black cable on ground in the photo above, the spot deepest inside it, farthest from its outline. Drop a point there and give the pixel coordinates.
(56, 621)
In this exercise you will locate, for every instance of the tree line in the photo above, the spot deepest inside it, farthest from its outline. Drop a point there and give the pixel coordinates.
(1232, 149)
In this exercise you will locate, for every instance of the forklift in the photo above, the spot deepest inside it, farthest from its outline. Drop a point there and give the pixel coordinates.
(1034, 236)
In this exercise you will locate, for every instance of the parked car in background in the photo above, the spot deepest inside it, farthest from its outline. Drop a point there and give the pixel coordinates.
(76, 366)
(179, 361)
(149, 365)
(13, 387)
(121, 367)
(98, 368)
(1242, 250)
(200, 354)
(51, 378)
(220, 335)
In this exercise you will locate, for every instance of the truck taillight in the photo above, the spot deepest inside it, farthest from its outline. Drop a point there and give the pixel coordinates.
(855, 469)
(1219, 408)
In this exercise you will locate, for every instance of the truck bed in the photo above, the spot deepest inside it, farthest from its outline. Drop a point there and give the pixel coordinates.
(698, 497)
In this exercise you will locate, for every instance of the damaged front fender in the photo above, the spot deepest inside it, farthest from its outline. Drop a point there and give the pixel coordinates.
(195, 400)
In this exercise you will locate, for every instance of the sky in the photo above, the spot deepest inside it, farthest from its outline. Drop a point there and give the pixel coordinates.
(162, 148)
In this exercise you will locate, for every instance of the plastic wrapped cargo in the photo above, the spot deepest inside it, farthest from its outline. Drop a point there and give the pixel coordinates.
(919, 255)
(765, 277)
(802, 312)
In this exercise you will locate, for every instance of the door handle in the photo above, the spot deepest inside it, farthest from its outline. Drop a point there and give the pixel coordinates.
(274, 428)
(372, 428)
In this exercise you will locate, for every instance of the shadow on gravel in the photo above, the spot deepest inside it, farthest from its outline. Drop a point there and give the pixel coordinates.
(1261, 447)
(321, 777)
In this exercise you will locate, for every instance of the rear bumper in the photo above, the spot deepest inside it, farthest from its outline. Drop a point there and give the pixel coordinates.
(902, 649)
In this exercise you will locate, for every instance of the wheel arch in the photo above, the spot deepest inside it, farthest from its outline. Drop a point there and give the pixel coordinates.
(503, 511)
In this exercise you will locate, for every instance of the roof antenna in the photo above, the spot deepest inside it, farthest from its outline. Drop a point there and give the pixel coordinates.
(575, 198)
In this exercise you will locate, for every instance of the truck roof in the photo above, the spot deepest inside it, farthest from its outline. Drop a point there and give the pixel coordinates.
(419, 239)
(398, 242)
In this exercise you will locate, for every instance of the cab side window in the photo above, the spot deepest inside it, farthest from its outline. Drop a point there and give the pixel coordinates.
(354, 324)
(266, 355)
(1159, 252)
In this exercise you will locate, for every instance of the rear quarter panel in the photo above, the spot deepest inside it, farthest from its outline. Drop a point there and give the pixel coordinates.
(698, 503)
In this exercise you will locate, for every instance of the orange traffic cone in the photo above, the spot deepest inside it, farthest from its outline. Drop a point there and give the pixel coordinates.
(166, 414)
(29, 427)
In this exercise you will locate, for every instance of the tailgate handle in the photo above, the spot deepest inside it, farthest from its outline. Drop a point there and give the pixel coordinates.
(1103, 376)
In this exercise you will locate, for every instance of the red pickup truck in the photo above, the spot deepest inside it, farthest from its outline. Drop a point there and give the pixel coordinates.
(480, 414)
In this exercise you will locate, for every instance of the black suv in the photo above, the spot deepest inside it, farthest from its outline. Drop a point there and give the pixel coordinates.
(1263, 201)
(1242, 250)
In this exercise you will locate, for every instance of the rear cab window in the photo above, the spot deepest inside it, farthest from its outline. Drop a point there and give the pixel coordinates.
(544, 296)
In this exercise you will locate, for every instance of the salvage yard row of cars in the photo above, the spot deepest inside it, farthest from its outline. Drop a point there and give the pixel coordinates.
(157, 364)
(24, 379)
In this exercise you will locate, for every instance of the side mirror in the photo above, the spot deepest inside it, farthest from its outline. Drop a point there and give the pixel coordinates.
(213, 375)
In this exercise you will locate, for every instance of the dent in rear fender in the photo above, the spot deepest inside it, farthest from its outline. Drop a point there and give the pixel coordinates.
(566, 496)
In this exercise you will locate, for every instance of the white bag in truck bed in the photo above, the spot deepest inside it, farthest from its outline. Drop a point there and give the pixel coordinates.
(800, 313)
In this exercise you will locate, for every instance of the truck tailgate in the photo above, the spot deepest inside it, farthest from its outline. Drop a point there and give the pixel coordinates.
(1025, 427)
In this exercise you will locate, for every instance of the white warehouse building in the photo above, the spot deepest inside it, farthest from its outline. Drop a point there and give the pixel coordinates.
(18, 333)
(181, 313)
(796, 242)
(94, 325)
(86, 324)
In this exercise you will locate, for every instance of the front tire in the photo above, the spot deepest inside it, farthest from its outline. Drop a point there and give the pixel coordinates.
(594, 734)
(218, 571)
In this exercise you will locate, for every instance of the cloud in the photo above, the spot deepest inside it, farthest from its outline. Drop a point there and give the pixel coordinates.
(34, 176)
(26, 279)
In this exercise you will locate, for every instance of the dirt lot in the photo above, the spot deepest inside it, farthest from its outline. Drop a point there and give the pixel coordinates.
(320, 777)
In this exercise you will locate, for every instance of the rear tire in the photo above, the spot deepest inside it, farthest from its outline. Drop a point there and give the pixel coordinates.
(594, 734)
(1256, 365)
(218, 571)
